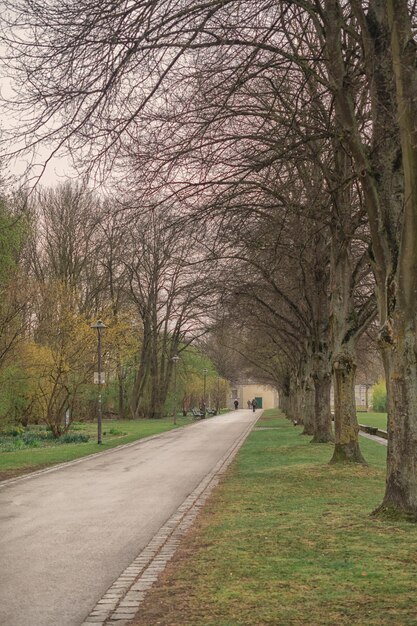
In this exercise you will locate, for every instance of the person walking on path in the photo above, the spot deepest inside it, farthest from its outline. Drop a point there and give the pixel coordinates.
(236, 403)
(254, 405)
(249, 404)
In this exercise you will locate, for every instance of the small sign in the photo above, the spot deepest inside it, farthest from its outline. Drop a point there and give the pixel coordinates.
(102, 376)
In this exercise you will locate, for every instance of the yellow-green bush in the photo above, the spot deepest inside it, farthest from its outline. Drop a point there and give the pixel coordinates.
(379, 397)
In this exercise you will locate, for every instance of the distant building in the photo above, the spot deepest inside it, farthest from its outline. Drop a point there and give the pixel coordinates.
(363, 396)
(266, 395)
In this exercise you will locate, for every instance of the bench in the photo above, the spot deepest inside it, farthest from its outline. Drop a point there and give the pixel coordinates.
(197, 414)
(372, 430)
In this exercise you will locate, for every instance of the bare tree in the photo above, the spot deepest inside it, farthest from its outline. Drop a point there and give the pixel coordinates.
(65, 241)
(173, 297)
(360, 53)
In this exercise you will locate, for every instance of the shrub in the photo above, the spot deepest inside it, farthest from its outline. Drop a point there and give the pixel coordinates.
(28, 438)
(8, 446)
(115, 431)
(11, 444)
(13, 431)
(379, 397)
(34, 438)
(73, 438)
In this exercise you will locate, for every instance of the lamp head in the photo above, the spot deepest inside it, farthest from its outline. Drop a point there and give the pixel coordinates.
(98, 325)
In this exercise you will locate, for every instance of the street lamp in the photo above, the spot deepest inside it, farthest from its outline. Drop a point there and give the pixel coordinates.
(99, 326)
(175, 360)
(205, 372)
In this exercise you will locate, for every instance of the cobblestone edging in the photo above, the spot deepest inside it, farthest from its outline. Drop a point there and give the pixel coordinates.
(122, 600)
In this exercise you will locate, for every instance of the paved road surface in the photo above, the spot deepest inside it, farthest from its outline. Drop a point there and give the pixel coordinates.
(380, 440)
(67, 534)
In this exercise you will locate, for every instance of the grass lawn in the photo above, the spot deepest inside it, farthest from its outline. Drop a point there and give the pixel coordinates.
(288, 540)
(373, 419)
(115, 433)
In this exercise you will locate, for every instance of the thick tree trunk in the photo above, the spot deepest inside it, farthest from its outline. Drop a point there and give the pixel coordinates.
(139, 390)
(149, 390)
(381, 170)
(320, 345)
(401, 485)
(323, 419)
(308, 409)
(284, 393)
(346, 423)
(295, 403)
(347, 322)
(400, 329)
(284, 403)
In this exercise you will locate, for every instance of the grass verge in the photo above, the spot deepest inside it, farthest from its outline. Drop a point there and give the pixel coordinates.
(115, 433)
(288, 540)
(373, 419)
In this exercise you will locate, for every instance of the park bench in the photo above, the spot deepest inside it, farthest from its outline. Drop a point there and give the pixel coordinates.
(372, 430)
(196, 413)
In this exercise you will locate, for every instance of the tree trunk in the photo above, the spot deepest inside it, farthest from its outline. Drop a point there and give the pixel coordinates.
(401, 486)
(284, 395)
(320, 345)
(346, 423)
(381, 170)
(347, 322)
(323, 420)
(121, 376)
(308, 409)
(140, 384)
(295, 403)
(284, 402)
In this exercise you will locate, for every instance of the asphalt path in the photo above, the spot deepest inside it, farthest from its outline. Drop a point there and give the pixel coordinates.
(67, 534)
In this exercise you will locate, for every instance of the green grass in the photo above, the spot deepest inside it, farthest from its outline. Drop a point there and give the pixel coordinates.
(289, 540)
(373, 419)
(115, 433)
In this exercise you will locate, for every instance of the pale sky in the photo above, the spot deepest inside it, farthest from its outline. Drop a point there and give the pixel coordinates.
(57, 170)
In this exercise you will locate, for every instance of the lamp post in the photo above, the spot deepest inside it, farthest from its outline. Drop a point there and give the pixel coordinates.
(205, 372)
(99, 326)
(175, 360)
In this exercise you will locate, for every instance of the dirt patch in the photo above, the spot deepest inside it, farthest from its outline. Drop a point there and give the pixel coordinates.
(7, 474)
